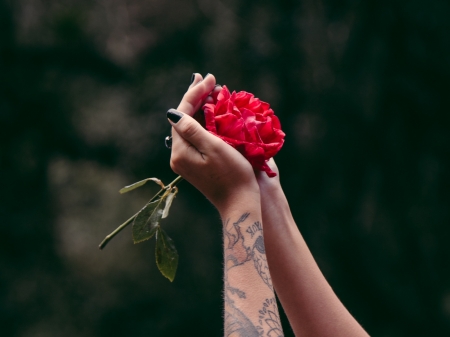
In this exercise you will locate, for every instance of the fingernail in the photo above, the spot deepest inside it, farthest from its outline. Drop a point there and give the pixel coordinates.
(174, 115)
(192, 78)
(207, 75)
(217, 85)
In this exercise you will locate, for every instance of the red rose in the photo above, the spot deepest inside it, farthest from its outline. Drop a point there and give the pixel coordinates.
(247, 124)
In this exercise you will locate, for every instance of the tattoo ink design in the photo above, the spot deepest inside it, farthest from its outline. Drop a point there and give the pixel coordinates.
(236, 291)
(237, 323)
(237, 253)
(260, 261)
(253, 229)
(269, 318)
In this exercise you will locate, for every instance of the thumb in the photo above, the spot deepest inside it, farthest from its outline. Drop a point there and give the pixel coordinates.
(188, 129)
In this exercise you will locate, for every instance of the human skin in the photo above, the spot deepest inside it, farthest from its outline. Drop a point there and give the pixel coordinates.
(227, 179)
(312, 307)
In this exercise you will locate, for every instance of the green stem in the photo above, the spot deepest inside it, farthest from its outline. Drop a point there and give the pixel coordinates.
(116, 231)
(126, 223)
(176, 181)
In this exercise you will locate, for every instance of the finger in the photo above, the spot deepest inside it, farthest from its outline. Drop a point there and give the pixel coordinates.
(216, 92)
(190, 96)
(182, 148)
(209, 99)
(212, 97)
(185, 128)
(193, 98)
(196, 77)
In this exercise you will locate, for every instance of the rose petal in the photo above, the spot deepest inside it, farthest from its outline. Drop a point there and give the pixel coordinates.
(210, 120)
(242, 99)
(230, 126)
(269, 172)
(224, 94)
(248, 124)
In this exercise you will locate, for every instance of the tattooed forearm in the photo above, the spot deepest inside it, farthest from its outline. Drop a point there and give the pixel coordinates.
(237, 252)
(240, 248)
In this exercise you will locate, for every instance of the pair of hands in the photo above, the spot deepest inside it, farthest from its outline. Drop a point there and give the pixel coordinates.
(215, 168)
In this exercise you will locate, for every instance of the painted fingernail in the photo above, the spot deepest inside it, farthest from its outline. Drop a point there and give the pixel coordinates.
(174, 115)
(192, 78)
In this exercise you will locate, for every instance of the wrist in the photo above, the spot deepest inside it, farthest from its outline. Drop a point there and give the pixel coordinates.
(274, 201)
(247, 197)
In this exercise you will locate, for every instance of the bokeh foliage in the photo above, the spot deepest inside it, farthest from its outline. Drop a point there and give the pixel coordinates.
(361, 88)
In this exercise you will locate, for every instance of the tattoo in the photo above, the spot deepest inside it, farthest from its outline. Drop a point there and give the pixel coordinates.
(256, 227)
(269, 320)
(260, 261)
(237, 253)
(236, 291)
(237, 323)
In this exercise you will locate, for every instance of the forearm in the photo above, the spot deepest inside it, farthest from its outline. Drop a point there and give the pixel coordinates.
(250, 305)
(227, 179)
(311, 305)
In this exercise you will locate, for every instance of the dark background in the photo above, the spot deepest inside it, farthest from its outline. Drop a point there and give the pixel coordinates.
(361, 88)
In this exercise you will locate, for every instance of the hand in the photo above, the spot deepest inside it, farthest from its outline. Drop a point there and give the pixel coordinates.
(268, 185)
(215, 168)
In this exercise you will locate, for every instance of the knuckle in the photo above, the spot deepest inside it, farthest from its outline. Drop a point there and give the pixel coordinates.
(217, 143)
(175, 163)
(190, 129)
(173, 166)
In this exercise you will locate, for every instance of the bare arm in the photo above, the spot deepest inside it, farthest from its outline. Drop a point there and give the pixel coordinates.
(250, 304)
(227, 179)
(312, 307)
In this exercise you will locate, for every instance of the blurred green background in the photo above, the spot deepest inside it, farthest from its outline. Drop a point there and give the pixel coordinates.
(362, 92)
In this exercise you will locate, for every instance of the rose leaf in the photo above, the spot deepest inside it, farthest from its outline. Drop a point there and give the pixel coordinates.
(166, 255)
(169, 200)
(147, 221)
(139, 184)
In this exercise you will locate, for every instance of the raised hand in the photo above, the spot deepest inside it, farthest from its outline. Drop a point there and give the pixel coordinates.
(219, 171)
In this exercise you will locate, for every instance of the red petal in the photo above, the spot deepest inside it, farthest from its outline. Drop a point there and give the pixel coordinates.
(210, 122)
(230, 126)
(269, 172)
(250, 124)
(242, 99)
(224, 94)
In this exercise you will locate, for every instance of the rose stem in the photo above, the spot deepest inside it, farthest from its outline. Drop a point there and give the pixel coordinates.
(126, 223)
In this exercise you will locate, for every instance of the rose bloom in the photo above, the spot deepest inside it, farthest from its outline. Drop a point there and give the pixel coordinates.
(248, 124)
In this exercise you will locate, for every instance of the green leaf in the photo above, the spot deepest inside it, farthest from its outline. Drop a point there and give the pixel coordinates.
(147, 221)
(139, 184)
(166, 255)
(169, 200)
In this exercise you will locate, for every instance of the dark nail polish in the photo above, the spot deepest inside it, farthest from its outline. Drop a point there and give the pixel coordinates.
(174, 115)
(192, 78)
